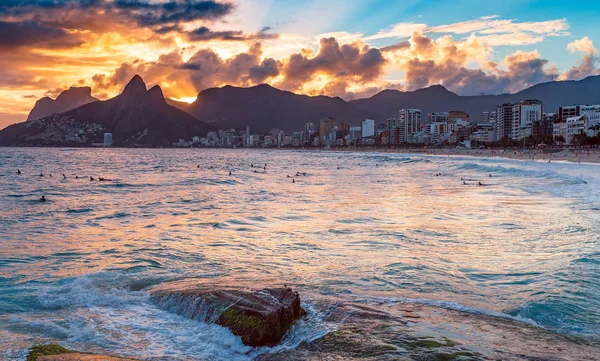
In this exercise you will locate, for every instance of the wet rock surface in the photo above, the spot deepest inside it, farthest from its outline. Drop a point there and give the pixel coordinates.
(407, 331)
(54, 352)
(261, 317)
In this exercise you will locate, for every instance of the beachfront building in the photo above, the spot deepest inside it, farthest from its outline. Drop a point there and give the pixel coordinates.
(487, 118)
(297, 139)
(570, 111)
(409, 124)
(355, 134)
(559, 130)
(455, 116)
(440, 131)
(308, 130)
(108, 139)
(368, 128)
(438, 117)
(575, 126)
(545, 126)
(515, 120)
(325, 126)
(484, 132)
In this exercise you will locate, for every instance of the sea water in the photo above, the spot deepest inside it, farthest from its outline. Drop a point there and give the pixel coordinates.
(359, 226)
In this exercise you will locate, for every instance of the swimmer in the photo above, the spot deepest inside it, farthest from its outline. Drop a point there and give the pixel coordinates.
(43, 199)
(229, 172)
(64, 176)
(92, 178)
(18, 172)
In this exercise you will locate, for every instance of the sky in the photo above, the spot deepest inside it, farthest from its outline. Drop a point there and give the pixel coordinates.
(346, 48)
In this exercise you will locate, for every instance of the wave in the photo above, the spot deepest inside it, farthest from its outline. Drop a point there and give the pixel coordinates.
(520, 172)
(110, 312)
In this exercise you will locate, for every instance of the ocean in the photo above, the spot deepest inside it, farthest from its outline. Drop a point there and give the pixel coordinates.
(359, 226)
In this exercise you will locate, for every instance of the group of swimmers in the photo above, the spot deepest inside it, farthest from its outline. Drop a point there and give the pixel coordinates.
(43, 198)
(478, 183)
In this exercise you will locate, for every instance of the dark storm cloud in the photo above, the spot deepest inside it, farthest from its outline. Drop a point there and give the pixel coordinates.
(31, 33)
(73, 14)
(261, 72)
(204, 34)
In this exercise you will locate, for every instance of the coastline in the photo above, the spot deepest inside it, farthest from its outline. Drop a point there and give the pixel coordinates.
(558, 155)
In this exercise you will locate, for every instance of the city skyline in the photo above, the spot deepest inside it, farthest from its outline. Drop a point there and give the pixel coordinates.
(189, 46)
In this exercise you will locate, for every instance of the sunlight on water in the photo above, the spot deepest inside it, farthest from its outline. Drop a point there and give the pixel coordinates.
(75, 269)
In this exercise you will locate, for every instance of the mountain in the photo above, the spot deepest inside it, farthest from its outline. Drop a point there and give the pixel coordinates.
(136, 116)
(69, 99)
(264, 107)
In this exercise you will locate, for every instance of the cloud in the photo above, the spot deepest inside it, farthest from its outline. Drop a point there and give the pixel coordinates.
(584, 45)
(333, 67)
(493, 25)
(400, 30)
(465, 66)
(333, 70)
(490, 29)
(205, 34)
(91, 14)
(31, 33)
(588, 65)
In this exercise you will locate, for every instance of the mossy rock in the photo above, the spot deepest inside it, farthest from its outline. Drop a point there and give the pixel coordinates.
(461, 355)
(426, 342)
(46, 350)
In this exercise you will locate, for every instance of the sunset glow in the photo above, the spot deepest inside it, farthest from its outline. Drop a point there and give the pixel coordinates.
(304, 48)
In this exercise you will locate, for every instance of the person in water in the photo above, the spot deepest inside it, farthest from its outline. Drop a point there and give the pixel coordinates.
(43, 199)
(293, 180)
(64, 176)
(229, 172)
(92, 178)
(18, 172)
(41, 174)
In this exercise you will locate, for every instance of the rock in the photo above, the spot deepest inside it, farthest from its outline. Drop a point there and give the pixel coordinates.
(53, 352)
(416, 332)
(261, 317)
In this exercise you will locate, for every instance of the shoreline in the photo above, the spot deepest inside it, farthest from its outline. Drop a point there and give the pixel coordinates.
(560, 156)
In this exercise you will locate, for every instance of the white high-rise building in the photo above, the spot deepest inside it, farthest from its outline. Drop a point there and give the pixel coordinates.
(410, 120)
(368, 128)
(515, 120)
